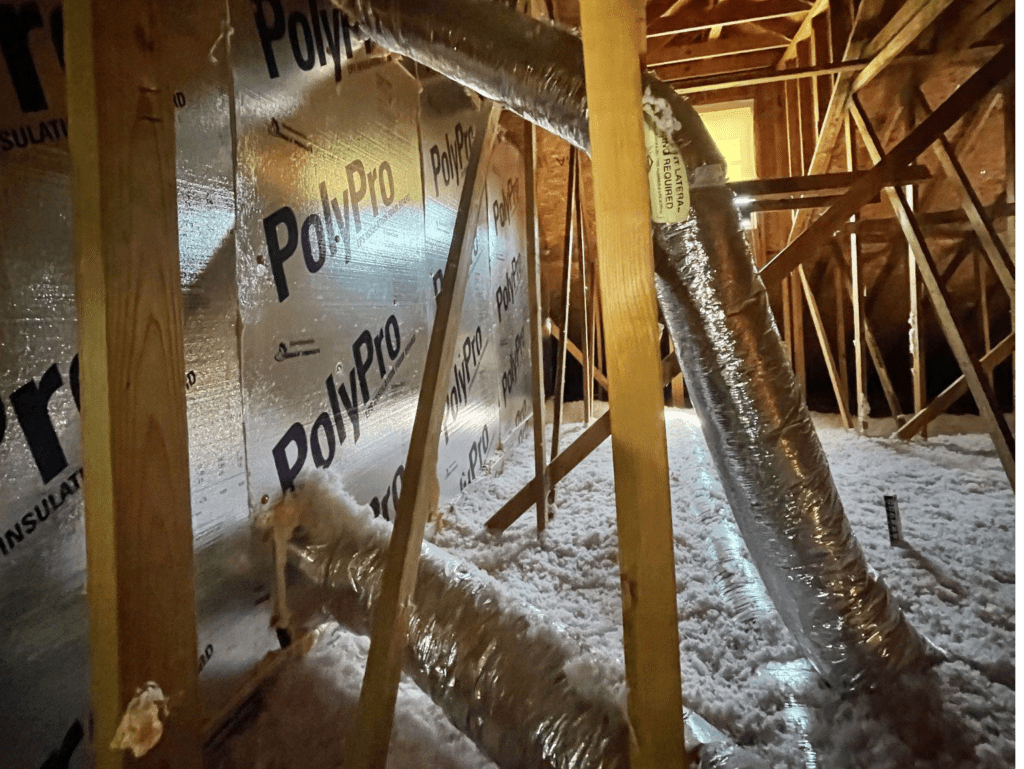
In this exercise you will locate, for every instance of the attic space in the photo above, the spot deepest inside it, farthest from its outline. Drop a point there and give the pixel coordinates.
(507, 384)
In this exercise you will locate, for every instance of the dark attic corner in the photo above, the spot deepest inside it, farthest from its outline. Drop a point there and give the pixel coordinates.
(562, 384)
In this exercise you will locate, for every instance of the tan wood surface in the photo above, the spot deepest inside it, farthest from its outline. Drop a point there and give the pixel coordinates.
(639, 451)
(138, 524)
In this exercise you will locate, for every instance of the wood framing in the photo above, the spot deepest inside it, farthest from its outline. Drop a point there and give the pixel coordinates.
(370, 730)
(954, 392)
(571, 203)
(806, 244)
(138, 521)
(838, 385)
(723, 14)
(726, 46)
(1002, 438)
(536, 321)
(639, 451)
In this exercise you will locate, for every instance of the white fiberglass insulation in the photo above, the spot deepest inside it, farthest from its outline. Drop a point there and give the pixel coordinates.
(954, 579)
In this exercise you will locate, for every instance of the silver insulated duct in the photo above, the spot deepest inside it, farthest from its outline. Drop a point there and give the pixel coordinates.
(527, 693)
(754, 418)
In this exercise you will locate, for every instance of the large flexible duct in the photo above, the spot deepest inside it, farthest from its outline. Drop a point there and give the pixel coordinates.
(526, 692)
(768, 456)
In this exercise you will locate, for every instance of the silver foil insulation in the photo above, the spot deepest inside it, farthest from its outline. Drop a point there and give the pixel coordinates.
(526, 692)
(754, 418)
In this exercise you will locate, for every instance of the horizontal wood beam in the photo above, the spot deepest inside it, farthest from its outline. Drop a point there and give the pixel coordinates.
(713, 49)
(737, 64)
(807, 244)
(691, 19)
(944, 400)
(731, 79)
(952, 223)
(823, 184)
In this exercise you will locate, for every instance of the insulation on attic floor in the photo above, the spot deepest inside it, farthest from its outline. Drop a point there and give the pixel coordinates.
(954, 577)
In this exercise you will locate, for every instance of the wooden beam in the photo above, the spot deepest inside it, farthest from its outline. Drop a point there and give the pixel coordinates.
(536, 322)
(581, 448)
(803, 30)
(919, 383)
(570, 346)
(691, 19)
(826, 348)
(940, 300)
(954, 392)
(909, 21)
(840, 315)
(736, 65)
(938, 224)
(584, 315)
(807, 244)
(639, 451)
(822, 184)
(984, 327)
(370, 730)
(991, 244)
(569, 245)
(726, 46)
(869, 340)
(138, 522)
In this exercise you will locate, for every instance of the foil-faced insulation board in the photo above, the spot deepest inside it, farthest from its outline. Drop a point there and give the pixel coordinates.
(450, 119)
(308, 261)
(331, 280)
(507, 225)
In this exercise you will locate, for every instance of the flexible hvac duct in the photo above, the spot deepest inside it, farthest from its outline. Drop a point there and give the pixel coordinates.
(767, 454)
(524, 691)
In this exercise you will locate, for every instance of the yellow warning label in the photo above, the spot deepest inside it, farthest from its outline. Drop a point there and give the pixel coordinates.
(666, 176)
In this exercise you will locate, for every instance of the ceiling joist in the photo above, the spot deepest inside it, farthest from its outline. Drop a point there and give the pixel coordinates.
(691, 19)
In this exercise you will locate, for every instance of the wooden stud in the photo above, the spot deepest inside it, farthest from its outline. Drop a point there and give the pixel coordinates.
(826, 348)
(954, 392)
(841, 359)
(940, 301)
(860, 371)
(536, 324)
(639, 451)
(569, 244)
(822, 184)
(370, 730)
(1009, 138)
(138, 522)
(820, 54)
(991, 244)
(585, 311)
(806, 244)
(870, 343)
(918, 377)
(807, 98)
(984, 327)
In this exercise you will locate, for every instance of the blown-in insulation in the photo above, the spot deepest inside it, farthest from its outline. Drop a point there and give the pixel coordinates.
(525, 691)
(741, 383)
